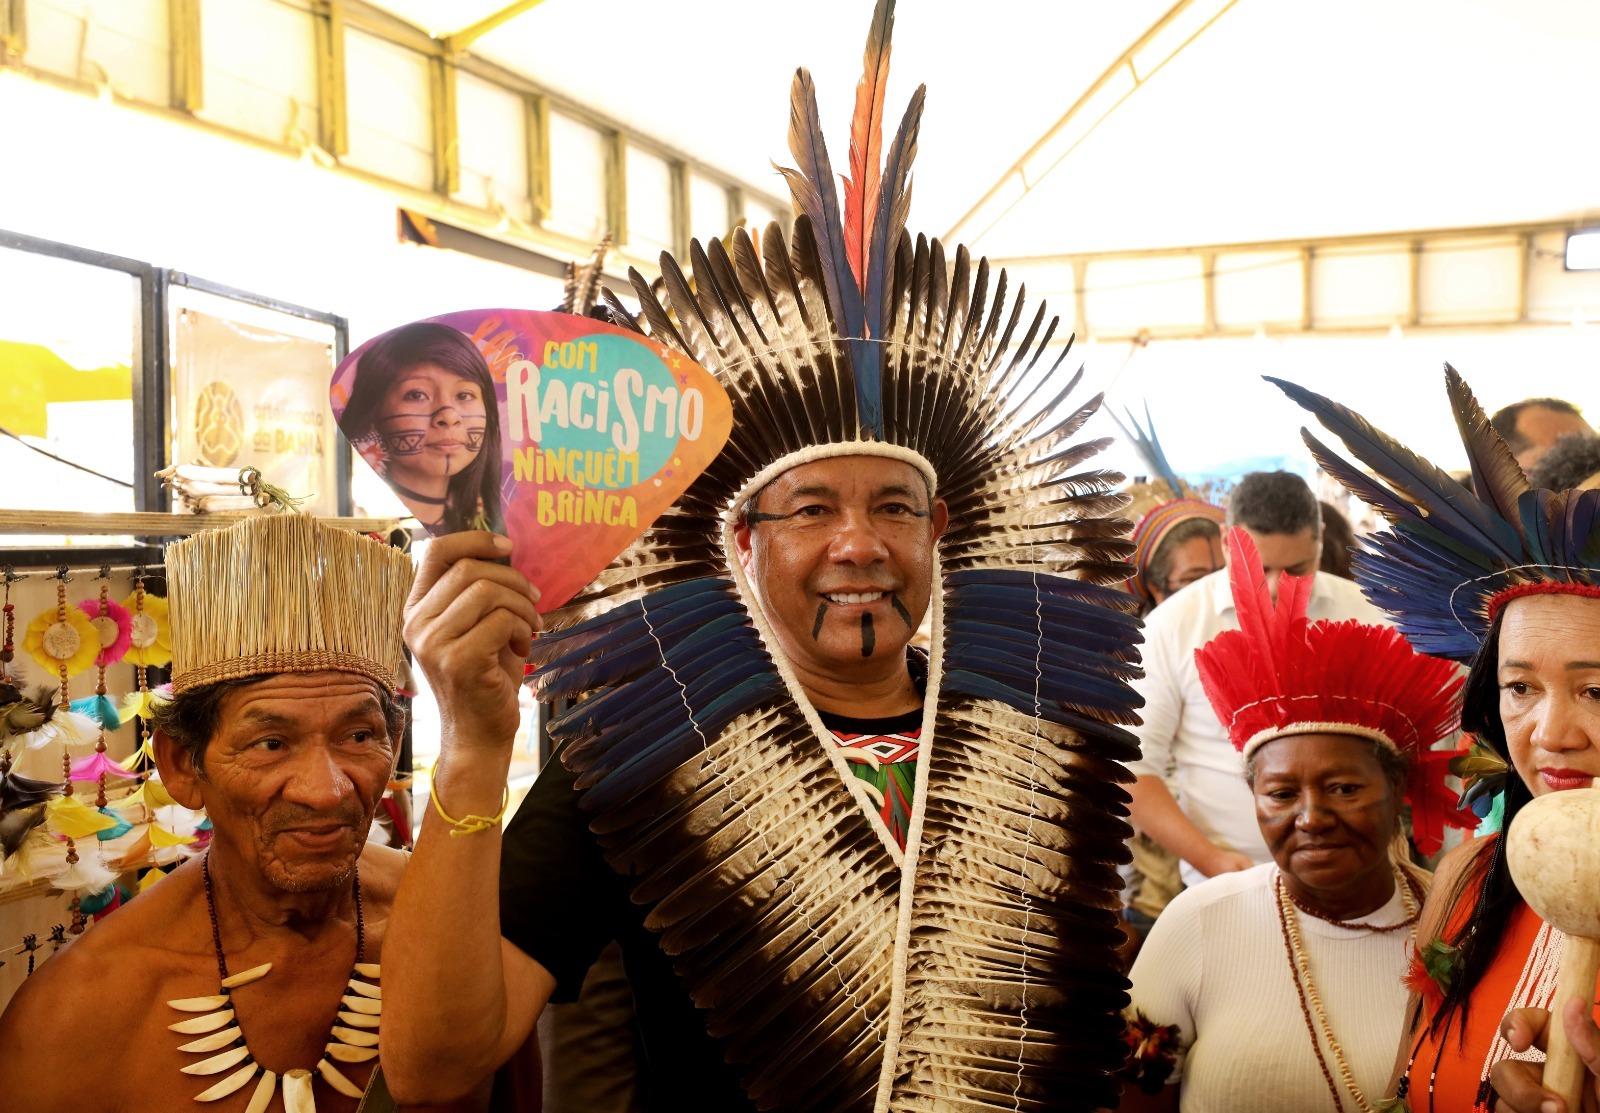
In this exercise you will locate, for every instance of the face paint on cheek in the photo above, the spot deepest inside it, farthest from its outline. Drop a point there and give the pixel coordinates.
(869, 641)
(900, 609)
(404, 443)
(816, 627)
(475, 438)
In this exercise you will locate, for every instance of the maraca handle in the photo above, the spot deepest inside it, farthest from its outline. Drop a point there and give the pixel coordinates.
(1564, 1072)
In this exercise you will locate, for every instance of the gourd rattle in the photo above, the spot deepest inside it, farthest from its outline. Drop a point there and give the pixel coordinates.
(1553, 849)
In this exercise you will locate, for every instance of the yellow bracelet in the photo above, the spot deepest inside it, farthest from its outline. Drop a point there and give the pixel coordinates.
(471, 824)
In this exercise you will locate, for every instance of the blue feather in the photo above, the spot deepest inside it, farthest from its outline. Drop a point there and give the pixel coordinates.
(100, 709)
(1068, 687)
(1116, 743)
(817, 199)
(893, 201)
(1148, 445)
(122, 828)
(1583, 514)
(616, 728)
(1534, 507)
(582, 673)
(1449, 506)
(672, 749)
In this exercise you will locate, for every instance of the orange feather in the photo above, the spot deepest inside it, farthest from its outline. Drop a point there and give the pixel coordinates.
(866, 143)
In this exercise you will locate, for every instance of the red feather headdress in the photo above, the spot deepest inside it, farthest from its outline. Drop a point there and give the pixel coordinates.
(1281, 674)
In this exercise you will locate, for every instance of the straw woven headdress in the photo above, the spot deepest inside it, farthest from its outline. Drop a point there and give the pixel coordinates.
(975, 968)
(285, 593)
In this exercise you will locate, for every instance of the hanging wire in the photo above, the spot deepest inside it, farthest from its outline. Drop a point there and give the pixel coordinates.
(64, 460)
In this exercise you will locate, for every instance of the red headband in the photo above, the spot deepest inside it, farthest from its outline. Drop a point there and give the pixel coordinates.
(1499, 599)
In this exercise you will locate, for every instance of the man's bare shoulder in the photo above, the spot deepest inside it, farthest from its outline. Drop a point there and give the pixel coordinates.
(382, 867)
(136, 944)
(90, 985)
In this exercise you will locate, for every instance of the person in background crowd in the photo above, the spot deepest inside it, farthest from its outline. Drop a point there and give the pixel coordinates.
(1572, 462)
(1532, 426)
(1177, 539)
(1176, 544)
(1329, 717)
(1338, 541)
(1210, 823)
(1505, 577)
(1177, 536)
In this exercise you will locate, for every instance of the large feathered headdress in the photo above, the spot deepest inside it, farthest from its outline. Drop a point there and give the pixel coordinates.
(706, 767)
(1161, 503)
(1280, 674)
(1456, 555)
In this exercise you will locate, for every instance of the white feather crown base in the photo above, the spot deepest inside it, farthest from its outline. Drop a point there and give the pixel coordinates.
(1262, 737)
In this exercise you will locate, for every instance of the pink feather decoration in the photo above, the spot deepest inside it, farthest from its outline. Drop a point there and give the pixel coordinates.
(91, 768)
(120, 625)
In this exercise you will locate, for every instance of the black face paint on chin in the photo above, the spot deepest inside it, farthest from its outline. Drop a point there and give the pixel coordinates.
(868, 640)
(900, 609)
(816, 627)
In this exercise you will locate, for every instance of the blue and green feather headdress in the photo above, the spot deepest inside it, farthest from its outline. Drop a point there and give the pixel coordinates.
(1456, 553)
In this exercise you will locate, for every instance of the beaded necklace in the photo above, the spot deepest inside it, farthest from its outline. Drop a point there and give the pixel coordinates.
(1359, 925)
(1311, 1000)
(354, 1038)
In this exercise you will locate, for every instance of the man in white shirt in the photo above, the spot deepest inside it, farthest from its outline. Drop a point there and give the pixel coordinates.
(1211, 824)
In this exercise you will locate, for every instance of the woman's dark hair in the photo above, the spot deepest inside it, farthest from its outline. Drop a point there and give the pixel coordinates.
(1160, 567)
(1337, 541)
(453, 350)
(1573, 459)
(1481, 934)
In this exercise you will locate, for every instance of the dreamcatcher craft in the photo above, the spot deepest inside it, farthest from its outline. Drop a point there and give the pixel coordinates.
(150, 638)
(8, 649)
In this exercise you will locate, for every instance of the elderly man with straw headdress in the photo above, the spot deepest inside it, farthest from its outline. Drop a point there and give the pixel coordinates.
(252, 972)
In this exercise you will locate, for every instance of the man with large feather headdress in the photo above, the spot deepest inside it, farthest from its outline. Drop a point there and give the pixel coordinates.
(934, 932)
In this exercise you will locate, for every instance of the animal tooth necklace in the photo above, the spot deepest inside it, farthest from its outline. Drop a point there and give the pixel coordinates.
(354, 1038)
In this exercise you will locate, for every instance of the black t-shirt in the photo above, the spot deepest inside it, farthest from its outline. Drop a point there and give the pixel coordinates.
(560, 904)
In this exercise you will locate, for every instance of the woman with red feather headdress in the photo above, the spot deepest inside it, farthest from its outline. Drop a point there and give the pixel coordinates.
(1335, 721)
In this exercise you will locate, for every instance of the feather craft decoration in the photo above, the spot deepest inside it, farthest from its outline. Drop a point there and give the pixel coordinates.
(582, 285)
(99, 708)
(774, 886)
(1145, 442)
(1453, 553)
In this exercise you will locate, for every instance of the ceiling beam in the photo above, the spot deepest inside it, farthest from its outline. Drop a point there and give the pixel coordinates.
(1183, 23)
(1385, 240)
(463, 39)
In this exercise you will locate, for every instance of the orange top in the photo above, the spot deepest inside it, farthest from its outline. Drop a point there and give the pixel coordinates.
(1450, 1075)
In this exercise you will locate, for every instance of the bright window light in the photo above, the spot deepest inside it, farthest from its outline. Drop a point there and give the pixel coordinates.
(1583, 251)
